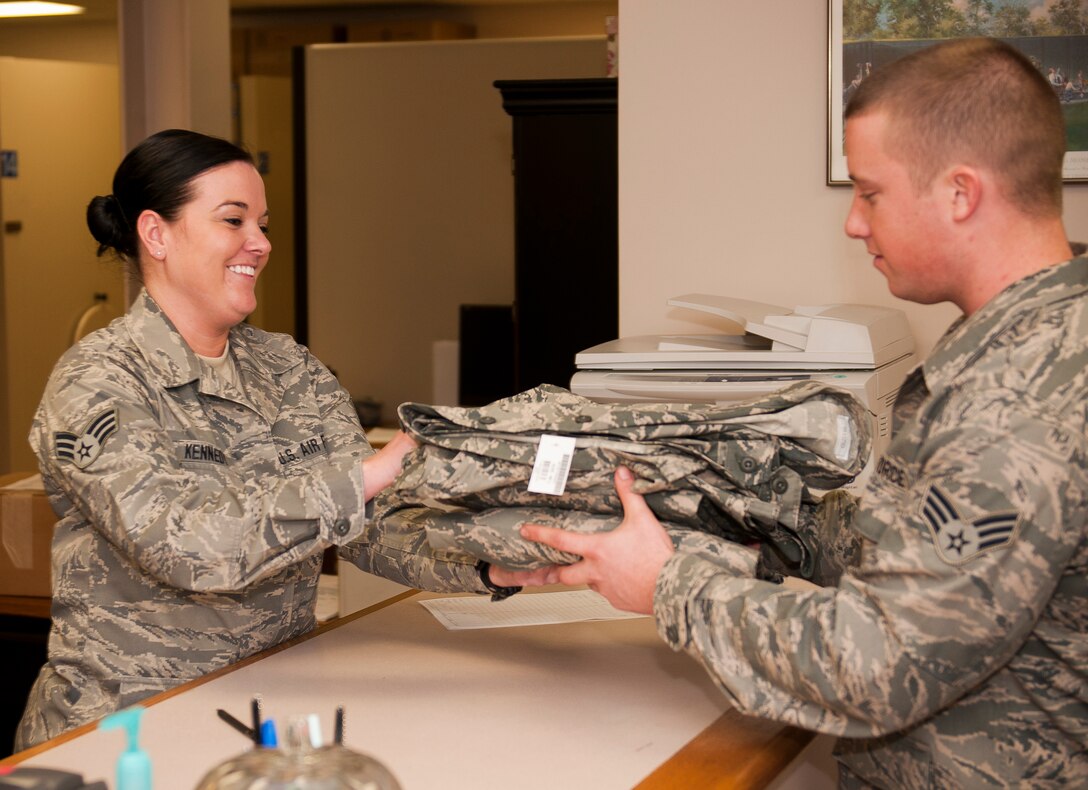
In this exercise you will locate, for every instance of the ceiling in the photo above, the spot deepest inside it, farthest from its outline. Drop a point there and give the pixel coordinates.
(106, 10)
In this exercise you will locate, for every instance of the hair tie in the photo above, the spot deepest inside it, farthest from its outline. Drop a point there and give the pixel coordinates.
(120, 209)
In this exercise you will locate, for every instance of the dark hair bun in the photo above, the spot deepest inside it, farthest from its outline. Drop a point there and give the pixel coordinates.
(110, 228)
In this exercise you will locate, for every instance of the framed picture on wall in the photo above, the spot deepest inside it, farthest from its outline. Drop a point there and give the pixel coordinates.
(864, 35)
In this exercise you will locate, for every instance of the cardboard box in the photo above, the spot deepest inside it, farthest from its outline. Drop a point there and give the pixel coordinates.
(26, 537)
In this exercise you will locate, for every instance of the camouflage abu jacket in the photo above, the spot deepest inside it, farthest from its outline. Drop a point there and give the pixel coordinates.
(956, 655)
(748, 471)
(193, 511)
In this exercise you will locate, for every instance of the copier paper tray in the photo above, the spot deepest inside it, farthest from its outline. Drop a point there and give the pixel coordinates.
(817, 337)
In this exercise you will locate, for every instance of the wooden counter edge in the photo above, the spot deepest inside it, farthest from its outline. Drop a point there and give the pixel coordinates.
(26, 606)
(736, 751)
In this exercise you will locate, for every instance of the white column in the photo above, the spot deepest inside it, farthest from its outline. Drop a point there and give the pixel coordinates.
(175, 67)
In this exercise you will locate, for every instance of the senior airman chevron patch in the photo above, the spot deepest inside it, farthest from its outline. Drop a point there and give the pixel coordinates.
(958, 540)
(82, 449)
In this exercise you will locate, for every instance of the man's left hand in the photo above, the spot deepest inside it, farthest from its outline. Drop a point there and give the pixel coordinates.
(622, 565)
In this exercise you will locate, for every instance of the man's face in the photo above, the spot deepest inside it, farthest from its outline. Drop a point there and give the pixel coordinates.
(902, 228)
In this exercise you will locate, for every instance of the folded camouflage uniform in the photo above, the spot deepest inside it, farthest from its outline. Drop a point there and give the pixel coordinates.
(749, 472)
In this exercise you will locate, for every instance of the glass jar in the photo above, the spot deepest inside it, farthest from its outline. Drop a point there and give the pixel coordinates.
(300, 765)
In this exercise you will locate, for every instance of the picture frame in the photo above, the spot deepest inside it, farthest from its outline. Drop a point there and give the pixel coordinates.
(852, 57)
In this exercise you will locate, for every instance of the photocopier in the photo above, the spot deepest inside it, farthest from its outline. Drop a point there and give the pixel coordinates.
(864, 349)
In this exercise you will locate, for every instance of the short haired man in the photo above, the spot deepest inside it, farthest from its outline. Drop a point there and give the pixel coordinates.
(956, 653)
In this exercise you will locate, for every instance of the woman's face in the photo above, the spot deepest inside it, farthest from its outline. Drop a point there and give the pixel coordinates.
(211, 255)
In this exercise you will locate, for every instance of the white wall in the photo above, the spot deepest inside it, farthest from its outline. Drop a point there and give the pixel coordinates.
(722, 140)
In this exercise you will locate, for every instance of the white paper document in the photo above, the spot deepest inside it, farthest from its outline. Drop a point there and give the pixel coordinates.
(569, 606)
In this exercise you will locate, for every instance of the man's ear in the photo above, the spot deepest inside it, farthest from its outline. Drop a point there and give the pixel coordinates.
(966, 187)
(151, 228)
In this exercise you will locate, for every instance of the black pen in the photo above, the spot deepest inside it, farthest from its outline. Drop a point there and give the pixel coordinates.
(255, 708)
(233, 722)
(338, 732)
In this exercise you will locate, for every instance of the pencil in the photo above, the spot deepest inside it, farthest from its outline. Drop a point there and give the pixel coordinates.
(233, 722)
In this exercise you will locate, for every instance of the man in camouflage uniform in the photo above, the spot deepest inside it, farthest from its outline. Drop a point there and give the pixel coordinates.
(214, 492)
(956, 653)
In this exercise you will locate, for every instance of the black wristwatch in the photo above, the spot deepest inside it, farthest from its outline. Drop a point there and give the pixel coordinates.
(483, 567)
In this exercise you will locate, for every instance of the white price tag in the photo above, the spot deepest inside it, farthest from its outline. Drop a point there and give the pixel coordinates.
(844, 438)
(553, 457)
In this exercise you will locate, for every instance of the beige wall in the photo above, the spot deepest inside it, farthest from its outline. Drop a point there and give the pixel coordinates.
(411, 197)
(86, 42)
(175, 67)
(491, 19)
(49, 266)
(723, 134)
(267, 132)
(540, 19)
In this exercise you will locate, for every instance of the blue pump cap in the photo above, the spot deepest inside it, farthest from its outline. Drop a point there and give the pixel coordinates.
(134, 765)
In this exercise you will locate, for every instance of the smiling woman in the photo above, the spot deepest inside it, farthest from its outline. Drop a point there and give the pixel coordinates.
(199, 466)
(204, 264)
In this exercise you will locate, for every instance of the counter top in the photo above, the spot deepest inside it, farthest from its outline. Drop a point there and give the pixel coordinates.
(592, 705)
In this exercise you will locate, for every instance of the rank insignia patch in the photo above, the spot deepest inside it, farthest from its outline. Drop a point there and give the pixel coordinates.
(82, 449)
(958, 539)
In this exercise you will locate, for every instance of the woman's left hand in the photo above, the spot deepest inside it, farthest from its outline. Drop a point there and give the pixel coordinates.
(382, 468)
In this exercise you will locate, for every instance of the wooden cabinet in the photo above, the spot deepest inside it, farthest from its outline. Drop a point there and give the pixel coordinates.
(566, 289)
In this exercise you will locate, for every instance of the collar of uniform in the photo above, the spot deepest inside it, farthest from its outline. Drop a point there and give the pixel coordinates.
(261, 353)
(166, 352)
(968, 337)
(174, 363)
(258, 365)
(261, 358)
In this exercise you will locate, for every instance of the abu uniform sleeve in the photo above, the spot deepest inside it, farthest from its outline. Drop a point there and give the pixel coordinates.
(158, 476)
(966, 544)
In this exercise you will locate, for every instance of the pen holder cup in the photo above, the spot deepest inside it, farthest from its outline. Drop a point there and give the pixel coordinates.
(300, 766)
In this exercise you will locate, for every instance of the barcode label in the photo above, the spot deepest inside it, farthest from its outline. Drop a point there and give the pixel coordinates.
(553, 457)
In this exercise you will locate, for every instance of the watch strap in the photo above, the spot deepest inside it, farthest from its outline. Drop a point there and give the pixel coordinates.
(483, 567)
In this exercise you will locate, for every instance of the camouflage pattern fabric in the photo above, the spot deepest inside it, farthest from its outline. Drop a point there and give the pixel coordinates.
(493, 534)
(193, 511)
(749, 472)
(956, 654)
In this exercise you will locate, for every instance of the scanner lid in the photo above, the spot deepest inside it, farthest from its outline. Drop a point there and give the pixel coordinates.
(806, 336)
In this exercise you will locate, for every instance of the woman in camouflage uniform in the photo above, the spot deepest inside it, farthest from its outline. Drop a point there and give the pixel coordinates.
(198, 466)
